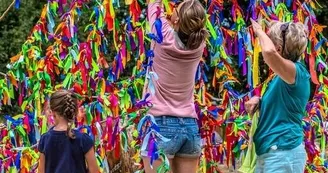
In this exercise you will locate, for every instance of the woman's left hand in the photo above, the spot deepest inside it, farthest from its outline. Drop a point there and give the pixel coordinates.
(256, 27)
(252, 105)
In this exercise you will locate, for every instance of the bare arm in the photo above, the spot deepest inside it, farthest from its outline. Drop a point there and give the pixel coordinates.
(153, 6)
(91, 160)
(152, 10)
(283, 67)
(42, 163)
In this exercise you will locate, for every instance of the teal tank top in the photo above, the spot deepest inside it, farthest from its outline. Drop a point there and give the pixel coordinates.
(281, 113)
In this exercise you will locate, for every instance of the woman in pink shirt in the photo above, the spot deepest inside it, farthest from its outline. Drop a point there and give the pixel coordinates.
(175, 62)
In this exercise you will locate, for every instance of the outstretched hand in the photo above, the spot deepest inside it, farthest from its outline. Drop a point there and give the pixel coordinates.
(252, 105)
(256, 26)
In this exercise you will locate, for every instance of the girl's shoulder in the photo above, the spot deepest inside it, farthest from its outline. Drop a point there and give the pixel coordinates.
(84, 137)
(84, 141)
(78, 135)
(49, 133)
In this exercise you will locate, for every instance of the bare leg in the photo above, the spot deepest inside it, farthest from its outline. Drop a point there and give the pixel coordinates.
(156, 164)
(185, 165)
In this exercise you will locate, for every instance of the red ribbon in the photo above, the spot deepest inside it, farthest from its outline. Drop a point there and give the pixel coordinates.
(135, 10)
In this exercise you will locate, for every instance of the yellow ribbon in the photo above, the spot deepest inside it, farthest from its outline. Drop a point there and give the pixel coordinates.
(257, 51)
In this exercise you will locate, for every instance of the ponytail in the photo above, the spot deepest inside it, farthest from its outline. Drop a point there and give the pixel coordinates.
(196, 39)
(70, 133)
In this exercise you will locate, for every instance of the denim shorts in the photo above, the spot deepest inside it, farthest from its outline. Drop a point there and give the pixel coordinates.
(282, 161)
(185, 140)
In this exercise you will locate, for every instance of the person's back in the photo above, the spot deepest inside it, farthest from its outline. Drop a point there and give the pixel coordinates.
(282, 111)
(175, 62)
(63, 154)
(63, 150)
(176, 70)
(279, 134)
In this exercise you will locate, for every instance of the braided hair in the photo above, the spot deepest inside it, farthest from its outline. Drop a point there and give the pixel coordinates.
(64, 103)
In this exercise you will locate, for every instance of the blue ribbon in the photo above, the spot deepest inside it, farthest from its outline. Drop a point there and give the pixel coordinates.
(32, 134)
(132, 96)
(149, 53)
(240, 49)
(148, 136)
(51, 23)
(154, 37)
(18, 161)
(142, 73)
(158, 26)
(144, 120)
(144, 102)
(198, 73)
(214, 113)
(13, 121)
(98, 107)
(152, 76)
(17, 4)
(318, 45)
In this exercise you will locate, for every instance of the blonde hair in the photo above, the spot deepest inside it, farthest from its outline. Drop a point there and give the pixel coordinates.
(192, 20)
(295, 38)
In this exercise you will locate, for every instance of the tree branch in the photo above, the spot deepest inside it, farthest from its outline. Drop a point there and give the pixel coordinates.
(2, 75)
(4, 13)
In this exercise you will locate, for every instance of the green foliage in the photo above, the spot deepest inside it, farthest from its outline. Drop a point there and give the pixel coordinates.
(322, 15)
(18, 23)
(16, 26)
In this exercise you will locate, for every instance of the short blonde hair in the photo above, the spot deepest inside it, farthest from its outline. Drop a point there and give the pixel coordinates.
(295, 38)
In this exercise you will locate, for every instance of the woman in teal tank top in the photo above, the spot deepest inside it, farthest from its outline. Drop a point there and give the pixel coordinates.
(279, 135)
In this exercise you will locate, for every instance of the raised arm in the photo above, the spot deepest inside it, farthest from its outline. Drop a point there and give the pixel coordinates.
(153, 9)
(284, 68)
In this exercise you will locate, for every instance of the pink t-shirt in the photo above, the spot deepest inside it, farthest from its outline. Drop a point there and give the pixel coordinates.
(176, 69)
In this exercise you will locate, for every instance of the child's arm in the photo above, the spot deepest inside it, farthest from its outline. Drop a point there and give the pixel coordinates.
(42, 160)
(42, 163)
(91, 160)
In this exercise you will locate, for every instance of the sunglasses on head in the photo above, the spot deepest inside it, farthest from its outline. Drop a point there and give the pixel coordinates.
(284, 28)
